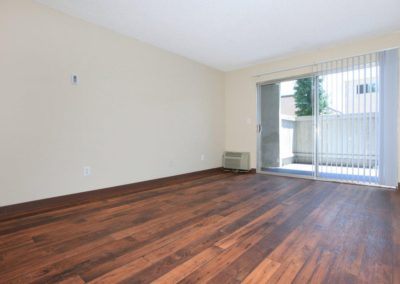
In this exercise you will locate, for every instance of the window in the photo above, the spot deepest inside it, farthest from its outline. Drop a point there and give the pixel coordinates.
(366, 88)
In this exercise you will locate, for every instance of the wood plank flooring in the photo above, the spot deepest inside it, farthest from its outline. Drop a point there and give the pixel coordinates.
(223, 228)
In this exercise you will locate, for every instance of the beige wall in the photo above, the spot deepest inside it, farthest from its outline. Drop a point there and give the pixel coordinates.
(138, 113)
(240, 87)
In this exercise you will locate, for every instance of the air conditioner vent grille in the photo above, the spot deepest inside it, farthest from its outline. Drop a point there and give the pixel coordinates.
(233, 154)
(236, 160)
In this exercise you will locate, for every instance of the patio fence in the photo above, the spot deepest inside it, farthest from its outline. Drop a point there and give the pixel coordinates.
(354, 149)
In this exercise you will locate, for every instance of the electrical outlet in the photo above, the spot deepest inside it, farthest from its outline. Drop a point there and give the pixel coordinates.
(202, 157)
(87, 171)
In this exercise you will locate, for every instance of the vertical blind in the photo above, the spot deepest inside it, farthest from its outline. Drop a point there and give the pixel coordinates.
(355, 105)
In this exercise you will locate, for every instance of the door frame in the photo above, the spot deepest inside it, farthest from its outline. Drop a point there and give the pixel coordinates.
(315, 130)
(259, 126)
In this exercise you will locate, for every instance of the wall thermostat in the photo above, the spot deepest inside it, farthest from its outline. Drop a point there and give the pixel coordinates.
(74, 79)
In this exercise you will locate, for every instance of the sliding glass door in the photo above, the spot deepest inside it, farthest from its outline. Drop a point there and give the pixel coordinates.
(338, 124)
(286, 127)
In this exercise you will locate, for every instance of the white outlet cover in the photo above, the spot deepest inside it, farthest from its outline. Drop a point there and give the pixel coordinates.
(87, 171)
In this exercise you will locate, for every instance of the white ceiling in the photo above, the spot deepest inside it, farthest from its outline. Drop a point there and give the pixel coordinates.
(230, 34)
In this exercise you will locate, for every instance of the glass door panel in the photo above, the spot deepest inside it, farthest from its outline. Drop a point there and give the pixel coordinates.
(286, 127)
(347, 132)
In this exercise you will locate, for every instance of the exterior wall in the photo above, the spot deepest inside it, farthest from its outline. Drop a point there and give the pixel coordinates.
(287, 142)
(288, 105)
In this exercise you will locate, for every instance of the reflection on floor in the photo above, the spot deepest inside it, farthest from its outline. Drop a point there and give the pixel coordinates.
(358, 174)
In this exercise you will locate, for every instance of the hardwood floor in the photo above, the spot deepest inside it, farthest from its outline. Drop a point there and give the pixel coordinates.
(224, 228)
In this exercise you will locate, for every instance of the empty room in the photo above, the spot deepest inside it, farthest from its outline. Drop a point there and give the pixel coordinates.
(199, 141)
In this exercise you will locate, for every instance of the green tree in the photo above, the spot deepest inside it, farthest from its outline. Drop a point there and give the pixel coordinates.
(303, 99)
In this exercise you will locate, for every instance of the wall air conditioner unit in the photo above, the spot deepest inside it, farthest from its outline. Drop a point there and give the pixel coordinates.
(239, 161)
